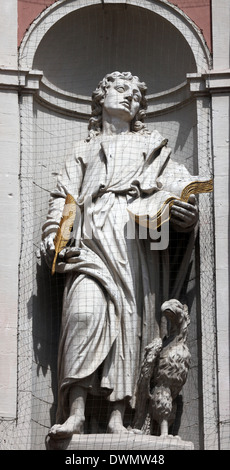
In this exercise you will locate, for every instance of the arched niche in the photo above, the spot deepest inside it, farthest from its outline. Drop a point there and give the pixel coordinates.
(116, 37)
(72, 39)
(74, 43)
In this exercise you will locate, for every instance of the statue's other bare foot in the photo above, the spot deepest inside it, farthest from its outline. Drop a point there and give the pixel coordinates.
(137, 431)
(117, 429)
(73, 425)
(115, 426)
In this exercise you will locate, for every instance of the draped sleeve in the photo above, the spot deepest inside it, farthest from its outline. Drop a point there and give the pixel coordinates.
(69, 181)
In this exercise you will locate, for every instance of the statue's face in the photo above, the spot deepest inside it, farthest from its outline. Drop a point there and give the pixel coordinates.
(122, 99)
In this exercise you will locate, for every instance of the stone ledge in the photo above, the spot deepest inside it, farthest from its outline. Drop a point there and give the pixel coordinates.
(17, 79)
(119, 442)
(213, 81)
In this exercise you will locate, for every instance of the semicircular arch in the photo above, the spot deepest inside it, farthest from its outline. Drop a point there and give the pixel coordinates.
(151, 18)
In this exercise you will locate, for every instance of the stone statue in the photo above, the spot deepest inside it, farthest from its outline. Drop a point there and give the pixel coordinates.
(115, 283)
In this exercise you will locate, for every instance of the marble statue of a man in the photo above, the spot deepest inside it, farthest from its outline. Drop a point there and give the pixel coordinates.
(115, 284)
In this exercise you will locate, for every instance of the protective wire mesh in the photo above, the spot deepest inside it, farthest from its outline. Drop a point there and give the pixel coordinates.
(48, 134)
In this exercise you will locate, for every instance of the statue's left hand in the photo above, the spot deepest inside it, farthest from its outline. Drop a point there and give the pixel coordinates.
(184, 215)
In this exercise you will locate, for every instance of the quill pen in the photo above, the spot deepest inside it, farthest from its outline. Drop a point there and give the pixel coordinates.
(63, 234)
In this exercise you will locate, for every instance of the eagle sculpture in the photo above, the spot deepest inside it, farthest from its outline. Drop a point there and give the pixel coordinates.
(164, 371)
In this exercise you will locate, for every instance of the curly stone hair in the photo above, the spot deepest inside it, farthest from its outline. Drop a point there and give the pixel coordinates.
(95, 122)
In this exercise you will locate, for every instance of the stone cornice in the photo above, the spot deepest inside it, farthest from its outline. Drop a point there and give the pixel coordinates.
(213, 81)
(33, 81)
(61, 101)
(18, 80)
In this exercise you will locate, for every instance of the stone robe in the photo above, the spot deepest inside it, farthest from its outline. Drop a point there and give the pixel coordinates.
(116, 285)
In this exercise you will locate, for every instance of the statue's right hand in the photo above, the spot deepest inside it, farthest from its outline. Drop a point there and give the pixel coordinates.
(70, 254)
(49, 244)
(48, 248)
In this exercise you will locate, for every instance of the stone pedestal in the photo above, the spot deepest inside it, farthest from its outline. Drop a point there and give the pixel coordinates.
(110, 442)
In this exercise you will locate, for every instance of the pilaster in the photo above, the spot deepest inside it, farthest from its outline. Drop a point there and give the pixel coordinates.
(9, 215)
(216, 84)
(219, 83)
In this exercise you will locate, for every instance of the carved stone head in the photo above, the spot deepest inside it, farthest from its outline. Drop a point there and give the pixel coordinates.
(119, 83)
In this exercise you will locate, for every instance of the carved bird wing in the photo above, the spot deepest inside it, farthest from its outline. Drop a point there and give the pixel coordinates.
(152, 352)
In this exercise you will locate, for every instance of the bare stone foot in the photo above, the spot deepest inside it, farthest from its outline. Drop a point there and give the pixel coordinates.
(115, 425)
(117, 429)
(73, 425)
(137, 431)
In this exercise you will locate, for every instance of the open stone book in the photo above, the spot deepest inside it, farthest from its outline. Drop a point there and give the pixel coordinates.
(151, 211)
(154, 210)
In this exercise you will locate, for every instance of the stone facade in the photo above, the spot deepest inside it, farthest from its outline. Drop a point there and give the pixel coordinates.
(45, 108)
